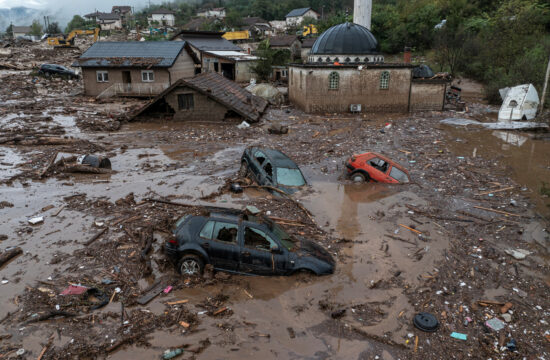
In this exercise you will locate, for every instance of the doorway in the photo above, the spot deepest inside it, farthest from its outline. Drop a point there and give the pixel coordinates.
(127, 80)
(228, 70)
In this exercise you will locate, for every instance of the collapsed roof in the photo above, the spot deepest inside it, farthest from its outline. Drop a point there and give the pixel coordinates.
(220, 89)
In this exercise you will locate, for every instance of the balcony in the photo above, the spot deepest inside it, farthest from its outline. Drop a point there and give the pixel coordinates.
(133, 90)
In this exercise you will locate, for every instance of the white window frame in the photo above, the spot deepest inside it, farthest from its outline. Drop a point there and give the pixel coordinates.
(149, 76)
(100, 76)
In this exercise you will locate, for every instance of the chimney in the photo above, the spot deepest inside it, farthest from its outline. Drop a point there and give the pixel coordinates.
(407, 55)
(362, 10)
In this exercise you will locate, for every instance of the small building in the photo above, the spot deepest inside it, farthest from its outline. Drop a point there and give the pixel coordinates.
(205, 97)
(287, 42)
(162, 17)
(212, 13)
(280, 73)
(345, 72)
(138, 68)
(106, 21)
(121, 10)
(234, 65)
(201, 42)
(20, 31)
(296, 16)
(278, 26)
(307, 44)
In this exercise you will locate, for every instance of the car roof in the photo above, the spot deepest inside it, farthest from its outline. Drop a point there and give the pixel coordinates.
(278, 158)
(385, 158)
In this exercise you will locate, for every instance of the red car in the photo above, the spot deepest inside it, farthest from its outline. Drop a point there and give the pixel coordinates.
(372, 166)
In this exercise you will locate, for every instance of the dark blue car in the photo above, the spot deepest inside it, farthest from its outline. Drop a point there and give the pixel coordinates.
(237, 242)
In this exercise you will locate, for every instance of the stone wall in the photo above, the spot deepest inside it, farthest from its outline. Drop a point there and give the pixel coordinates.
(309, 89)
(427, 95)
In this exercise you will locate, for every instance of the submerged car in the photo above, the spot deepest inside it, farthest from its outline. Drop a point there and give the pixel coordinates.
(54, 69)
(236, 242)
(373, 166)
(271, 168)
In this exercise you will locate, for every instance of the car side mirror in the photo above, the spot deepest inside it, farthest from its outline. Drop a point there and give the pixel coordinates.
(276, 250)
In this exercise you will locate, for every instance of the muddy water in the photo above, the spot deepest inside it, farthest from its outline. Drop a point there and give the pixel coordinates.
(526, 159)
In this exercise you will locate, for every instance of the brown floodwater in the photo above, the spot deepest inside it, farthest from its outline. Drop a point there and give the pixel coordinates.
(525, 158)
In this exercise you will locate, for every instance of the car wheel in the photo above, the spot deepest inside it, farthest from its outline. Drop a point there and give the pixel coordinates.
(191, 265)
(243, 171)
(358, 177)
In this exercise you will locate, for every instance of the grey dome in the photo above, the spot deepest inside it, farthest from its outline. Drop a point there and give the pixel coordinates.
(346, 38)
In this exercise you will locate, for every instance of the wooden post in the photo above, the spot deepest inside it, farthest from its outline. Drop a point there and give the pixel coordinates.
(545, 87)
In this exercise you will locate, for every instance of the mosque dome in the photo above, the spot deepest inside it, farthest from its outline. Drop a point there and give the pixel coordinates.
(345, 39)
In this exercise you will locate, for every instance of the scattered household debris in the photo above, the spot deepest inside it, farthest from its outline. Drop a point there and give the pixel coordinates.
(516, 125)
(518, 103)
(518, 254)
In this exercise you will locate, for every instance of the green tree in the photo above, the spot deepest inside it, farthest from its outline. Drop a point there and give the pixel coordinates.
(9, 30)
(36, 28)
(78, 22)
(263, 67)
(53, 28)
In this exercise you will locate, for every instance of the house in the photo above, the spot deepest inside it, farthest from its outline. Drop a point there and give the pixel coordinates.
(212, 13)
(139, 68)
(345, 72)
(296, 16)
(162, 17)
(307, 43)
(20, 31)
(121, 10)
(287, 42)
(234, 65)
(280, 73)
(278, 26)
(213, 51)
(107, 21)
(205, 97)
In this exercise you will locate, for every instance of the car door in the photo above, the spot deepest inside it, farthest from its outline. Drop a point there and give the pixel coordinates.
(256, 255)
(219, 238)
(378, 169)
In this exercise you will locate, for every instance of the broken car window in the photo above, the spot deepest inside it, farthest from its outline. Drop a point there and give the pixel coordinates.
(378, 164)
(260, 156)
(257, 239)
(225, 232)
(290, 177)
(268, 169)
(399, 175)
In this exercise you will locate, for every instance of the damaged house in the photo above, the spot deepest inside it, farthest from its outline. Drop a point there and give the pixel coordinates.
(205, 97)
(134, 68)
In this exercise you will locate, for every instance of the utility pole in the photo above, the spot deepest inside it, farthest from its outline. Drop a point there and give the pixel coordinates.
(545, 87)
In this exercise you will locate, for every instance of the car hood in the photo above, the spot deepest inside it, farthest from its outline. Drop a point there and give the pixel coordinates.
(309, 248)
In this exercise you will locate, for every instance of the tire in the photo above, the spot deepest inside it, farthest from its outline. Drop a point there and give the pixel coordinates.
(243, 170)
(191, 264)
(358, 177)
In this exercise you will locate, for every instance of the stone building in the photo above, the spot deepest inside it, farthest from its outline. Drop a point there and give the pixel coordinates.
(345, 72)
(205, 97)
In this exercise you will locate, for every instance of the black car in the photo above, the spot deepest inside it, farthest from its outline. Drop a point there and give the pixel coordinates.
(272, 168)
(53, 69)
(236, 242)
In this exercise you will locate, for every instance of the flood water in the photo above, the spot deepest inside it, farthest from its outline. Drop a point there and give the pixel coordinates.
(524, 157)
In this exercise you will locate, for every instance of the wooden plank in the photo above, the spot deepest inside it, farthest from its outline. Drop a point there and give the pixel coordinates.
(152, 293)
(496, 211)
(495, 191)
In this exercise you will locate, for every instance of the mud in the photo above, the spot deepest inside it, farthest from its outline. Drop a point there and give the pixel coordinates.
(385, 272)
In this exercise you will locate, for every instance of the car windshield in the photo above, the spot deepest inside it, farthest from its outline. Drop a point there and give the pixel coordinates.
(290, 177)
(285, 239)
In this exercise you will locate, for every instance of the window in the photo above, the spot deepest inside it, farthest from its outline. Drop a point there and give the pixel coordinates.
(384, 80)
(347, 60)
(147, 76)
(102, 76)
(260, 157)
(185, 102)
(319, 60)
(257, 239)
(333, 80)
(284, 73)
(220, 231)
(290, 177)
(268, 170)
(399, 175)
(357, 60)
(328, 60)
(378, 164)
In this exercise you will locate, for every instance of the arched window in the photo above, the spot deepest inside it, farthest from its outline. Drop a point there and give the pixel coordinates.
(367, 59)
(385, 80)
(319, 59)
(336, 60)
(333, 80)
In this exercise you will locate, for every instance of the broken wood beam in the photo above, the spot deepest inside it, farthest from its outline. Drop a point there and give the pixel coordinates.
(6, 256)
(95, 237)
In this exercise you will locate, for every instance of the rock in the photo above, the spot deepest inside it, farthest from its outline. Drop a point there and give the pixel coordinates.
(507, 317)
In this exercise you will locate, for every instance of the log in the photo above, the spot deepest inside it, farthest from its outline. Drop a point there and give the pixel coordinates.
(495, 191)
(497, 211)
(6, 256)
(50, 164)
(85, 169)
(95, 237)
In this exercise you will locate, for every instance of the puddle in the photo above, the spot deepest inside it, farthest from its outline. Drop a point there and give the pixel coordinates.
(9, 162)
(526, 159)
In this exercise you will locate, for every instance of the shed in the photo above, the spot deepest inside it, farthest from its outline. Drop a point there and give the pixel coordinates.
(205, 97)
(520, 103)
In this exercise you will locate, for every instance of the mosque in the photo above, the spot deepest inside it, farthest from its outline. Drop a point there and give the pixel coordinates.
(345, 72)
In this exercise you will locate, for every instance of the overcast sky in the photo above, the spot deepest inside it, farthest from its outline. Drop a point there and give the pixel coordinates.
(74, 6)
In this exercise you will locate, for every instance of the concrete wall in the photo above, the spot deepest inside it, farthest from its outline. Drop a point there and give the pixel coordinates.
(94, 88)
(427, 95)
(205, 109)
(183, 67)
(309, 89)
(243, 73)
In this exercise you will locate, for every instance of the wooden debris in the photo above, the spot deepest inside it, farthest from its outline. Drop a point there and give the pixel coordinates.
(217, 312)
(494, 191)
(177, 302)
(496, 211)
(411, 229)
(6, 256)
(95, 237)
